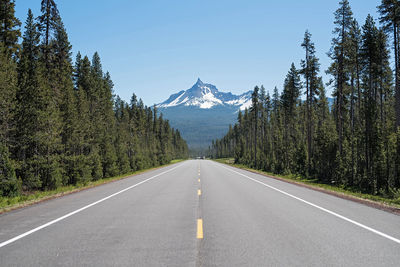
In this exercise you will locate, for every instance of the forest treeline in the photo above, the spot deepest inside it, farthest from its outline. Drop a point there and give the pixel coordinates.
(60, 123)
(355, 143)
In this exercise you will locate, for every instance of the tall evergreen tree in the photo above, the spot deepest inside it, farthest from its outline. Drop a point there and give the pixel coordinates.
(338, 53)
(290, 98)
(390, 17)
(47, 25)
(291, 91)
(8, 85)
(354, 69)
(310, 69)
(37, 117)
(9, 27)
(26, 114)
(254, 111)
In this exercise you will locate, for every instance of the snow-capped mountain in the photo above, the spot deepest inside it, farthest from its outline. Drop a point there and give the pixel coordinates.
(202, 113)
(206, 96)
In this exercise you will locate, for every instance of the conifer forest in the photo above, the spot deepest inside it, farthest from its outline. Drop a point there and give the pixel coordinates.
(60, 123)
(354, 142)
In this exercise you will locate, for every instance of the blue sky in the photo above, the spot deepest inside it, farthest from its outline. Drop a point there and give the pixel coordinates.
(156, 47)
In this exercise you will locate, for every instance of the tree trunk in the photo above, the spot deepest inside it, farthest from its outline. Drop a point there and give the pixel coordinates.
(352, 130)
(255, 136)
(397, 85)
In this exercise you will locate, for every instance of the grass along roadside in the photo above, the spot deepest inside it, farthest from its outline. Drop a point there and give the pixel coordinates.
(12, 203)
(390, 204)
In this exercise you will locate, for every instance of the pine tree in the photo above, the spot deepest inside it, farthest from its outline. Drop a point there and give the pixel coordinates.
(369, 75)
(291, 92)
(47, 25)
(8, 87)
(390, 17)
(37, 117)
(108, 149)
(83, 150)
(254, 110)
(354, 68)
(277, 134)
(27, 106)
(310, 69)
(122, 139)
(9, 27)
(289, 99)
(338, 53)
(376, 85)
(62, 73)
(325, 140)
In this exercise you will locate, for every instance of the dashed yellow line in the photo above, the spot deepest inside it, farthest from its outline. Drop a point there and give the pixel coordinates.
(199, 229)
(199, 180)
(199, 192)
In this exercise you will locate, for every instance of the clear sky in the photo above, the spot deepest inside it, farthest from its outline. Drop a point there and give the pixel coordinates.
(157, 47)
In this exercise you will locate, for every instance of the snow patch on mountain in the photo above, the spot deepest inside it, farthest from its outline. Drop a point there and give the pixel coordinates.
(243, 101)
(175, 101)
(207, 100)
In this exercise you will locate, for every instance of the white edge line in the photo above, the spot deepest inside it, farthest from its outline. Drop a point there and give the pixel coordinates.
(5, 243)
(320, 208)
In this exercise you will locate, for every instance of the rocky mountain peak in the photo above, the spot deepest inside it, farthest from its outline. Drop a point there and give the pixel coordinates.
(206, 96)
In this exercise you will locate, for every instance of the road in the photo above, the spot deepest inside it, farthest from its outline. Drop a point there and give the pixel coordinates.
(199, 213)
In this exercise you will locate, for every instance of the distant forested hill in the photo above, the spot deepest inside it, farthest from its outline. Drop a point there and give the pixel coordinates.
(199, 127)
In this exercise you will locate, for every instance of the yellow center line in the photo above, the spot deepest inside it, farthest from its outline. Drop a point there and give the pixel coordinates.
(199, 228)
(199, 192)
(199, 180)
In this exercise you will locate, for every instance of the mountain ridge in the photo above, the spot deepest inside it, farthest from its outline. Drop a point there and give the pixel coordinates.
(206, 96)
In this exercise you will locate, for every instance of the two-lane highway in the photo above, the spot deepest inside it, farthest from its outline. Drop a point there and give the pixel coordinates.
(199, 213)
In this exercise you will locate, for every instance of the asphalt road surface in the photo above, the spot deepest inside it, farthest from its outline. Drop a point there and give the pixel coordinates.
(199, 213)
